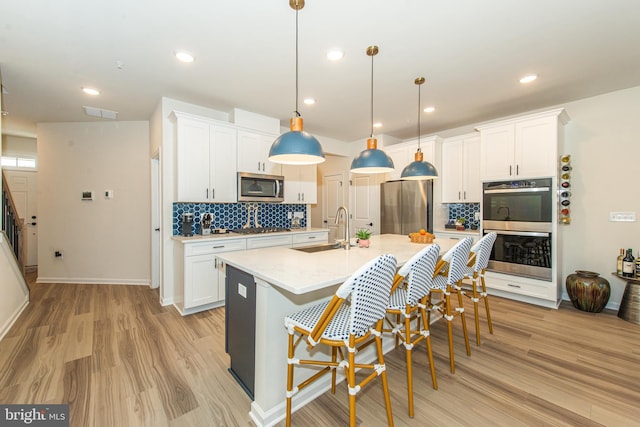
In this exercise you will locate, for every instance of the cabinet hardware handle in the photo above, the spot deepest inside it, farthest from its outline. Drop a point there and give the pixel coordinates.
(258, 166)
(213, 193)
(303, 197)
(513, 286)
(517, 169)
(458, 195)
(370, 224)
(207, 193)
(464, 193)
(215, 263)
(264, 168)
(311, 237)
(509, 170)
(156, 229)
(217, 247)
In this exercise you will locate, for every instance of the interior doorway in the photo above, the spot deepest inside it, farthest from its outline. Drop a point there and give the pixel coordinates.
(24, 191)
(156, 221)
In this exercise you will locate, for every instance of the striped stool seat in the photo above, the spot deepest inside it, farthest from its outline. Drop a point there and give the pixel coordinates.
(448, 277)
(351, 320)
(474, 271)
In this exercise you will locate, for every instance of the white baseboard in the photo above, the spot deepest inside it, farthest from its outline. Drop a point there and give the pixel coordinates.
(94, 281)
(12, 319)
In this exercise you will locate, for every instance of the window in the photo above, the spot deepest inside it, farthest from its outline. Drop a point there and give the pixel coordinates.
(18, 162)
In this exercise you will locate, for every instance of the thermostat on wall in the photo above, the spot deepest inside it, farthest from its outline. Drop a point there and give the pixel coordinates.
(87, 195)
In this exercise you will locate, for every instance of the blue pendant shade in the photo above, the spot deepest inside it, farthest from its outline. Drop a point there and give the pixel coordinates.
(372, 160)
(296, 147)
(419, 170)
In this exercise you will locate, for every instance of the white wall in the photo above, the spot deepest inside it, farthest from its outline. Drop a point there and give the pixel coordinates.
(104, 240)
(602, 138)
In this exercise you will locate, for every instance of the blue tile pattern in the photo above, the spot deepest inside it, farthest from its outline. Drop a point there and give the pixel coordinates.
(234, 215)
(466, 211)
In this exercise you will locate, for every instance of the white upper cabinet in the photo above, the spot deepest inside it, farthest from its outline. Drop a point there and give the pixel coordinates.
(460, 174)
(525, 147)
(253, 153)
(206, 160)
(300, 184)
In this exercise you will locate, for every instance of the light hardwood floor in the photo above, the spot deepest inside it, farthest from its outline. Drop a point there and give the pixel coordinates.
(119, 359)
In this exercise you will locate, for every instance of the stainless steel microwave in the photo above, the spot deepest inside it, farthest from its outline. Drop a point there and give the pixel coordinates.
(253, 187)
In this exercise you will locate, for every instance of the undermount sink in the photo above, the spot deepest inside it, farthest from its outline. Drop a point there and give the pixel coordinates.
(319, 248)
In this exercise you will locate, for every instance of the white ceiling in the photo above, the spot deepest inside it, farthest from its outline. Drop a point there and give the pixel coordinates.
(471, 52)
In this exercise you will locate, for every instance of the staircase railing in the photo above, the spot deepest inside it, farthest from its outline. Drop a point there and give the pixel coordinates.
(12, 225)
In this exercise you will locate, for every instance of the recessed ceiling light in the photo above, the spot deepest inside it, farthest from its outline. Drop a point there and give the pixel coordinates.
(529, 78)
(429, 109)
(309, 101)
(90, 91)
(377, 125)
(335, 54)
(184, 56)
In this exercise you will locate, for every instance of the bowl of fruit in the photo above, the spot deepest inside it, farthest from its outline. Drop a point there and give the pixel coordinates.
(421, 236)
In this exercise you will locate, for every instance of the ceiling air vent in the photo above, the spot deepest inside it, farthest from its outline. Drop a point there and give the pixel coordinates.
(99, 112)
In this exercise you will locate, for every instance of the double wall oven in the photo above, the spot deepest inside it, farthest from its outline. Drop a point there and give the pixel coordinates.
(520, 212)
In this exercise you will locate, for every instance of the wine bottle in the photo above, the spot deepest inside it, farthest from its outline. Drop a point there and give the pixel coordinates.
(566, 168)
(565, 159)
(638, 266)
(565, 203)
(565, 184)
(565, 176)
(565, 194)
(628, 264)
(619, 264)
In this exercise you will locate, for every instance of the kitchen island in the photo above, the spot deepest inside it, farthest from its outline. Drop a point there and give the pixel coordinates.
(288, 280)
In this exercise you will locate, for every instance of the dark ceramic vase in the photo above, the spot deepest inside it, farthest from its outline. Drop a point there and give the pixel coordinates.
(588, 291)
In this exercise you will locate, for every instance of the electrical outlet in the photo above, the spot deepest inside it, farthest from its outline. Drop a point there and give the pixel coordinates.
(476, 216)
(298, 215)
(289, 215)
(242, 290)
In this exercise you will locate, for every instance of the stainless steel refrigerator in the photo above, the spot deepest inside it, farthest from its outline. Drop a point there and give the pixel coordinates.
(406, 206)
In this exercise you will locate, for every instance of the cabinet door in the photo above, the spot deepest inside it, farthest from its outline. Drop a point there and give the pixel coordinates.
(536, 148)
(300, 184)
(497, 153)
(224, 187)
(200, 280)
(471, 184)
(253, 153)
(452, 171)
(401, 157)
(192, 173)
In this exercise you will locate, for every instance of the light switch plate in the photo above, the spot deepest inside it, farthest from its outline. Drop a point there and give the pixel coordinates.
(622, 216)
(298, 215)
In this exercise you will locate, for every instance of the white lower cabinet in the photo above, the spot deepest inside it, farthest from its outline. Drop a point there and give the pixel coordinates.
(524, 289)
(200, 275)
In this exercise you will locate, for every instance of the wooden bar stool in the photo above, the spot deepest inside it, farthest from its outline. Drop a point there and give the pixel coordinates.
(475, 270)
(352, 320)
(449, 273)
(407, 307)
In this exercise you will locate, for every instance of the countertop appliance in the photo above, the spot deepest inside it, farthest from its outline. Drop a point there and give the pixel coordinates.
(253, 187)
(240, 327)
(521, 213)
(406, 207)
(186, 224)
(205, 223)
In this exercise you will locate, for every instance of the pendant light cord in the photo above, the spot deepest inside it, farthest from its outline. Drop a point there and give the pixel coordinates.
(419, 106)
(297, 113)
(372, 95)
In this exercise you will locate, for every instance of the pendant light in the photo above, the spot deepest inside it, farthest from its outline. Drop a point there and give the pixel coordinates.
(419, 169)
(296, 147)
(372, 160)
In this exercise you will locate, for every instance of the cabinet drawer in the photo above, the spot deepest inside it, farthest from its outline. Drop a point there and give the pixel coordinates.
(310, 238)
(265, 242)
(214, 246)
(521, 285)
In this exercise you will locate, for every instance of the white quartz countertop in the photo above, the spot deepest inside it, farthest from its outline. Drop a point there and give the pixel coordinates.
(200, 238)
(300, 272)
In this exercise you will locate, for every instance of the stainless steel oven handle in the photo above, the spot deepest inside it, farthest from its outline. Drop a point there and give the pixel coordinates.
(518, 190)
(519, 233)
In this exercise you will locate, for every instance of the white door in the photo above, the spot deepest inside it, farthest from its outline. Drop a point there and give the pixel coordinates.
(156, 221)
(333, 198)
(365, 205)
(23, 187)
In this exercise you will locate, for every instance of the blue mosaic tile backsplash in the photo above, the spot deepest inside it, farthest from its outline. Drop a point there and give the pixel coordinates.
(466, 211)
(234, 215)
